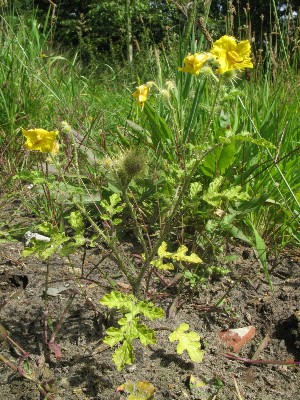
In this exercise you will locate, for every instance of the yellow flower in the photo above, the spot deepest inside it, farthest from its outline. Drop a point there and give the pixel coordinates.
(231, 55)
(41, 140)
(194, 62)
(141, 94)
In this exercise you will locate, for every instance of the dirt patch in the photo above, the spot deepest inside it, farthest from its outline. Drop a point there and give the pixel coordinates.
(86, 370)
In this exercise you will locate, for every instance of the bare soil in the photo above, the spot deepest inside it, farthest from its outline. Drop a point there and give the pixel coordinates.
(86, 370)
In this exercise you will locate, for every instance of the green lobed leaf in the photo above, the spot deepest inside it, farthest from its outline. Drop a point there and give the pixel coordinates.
(146, 335)
(44, 250)
(113, 336)
(76, 221)
(246, 137)
(129, 326)
(117, 300)
(117, 221)
(150, 311)
(235, 193)
(188, 341)
(70, 248)
(195, 190)
(123, 355)
(114, 199)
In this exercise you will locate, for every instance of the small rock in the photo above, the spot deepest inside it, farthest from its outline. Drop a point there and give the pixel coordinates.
(235, 339)
(131, 368)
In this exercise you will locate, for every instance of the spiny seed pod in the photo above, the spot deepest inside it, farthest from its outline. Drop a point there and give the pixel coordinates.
(133, 163)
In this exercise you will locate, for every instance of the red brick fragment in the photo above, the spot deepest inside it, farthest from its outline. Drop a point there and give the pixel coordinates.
(235, 339)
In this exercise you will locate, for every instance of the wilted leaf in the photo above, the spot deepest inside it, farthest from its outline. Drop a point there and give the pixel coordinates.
(138, 390)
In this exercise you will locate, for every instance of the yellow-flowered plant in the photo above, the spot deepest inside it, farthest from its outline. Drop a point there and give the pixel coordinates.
(41, 140)
(231, 55)
(194, 62)
(141, 94)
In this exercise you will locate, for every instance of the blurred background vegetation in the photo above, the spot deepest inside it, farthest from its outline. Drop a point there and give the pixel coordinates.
(121, 30)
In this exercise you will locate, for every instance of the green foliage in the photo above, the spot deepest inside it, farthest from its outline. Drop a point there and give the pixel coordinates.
(100, 27)
(112, 208)
(188, 341)
(130, 328)
(215, 194)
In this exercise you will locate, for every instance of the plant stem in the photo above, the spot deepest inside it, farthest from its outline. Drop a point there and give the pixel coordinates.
(20, 371)
(46, 312)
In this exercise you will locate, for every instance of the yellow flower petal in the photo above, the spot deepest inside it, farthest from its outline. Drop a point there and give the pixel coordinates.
(141, 94)
(194, 62)
(232, 55)
(41, 140)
